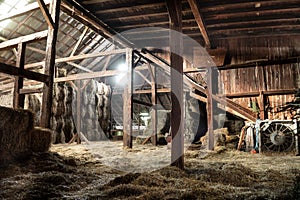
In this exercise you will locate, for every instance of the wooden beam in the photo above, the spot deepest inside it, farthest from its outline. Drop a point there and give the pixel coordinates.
(136, 101)
(127, 102)
(254, 63)
(200, 22)
(31, 90)
(154, 105)
(22, 11)
(210, 110)
(18, 101)
(143, 6)
(79, 41)
(78, 57)
(15, 71)
(162, 90)
(177, 122)
(78, 12)
(144, 77)
(88, 75)
(23, 39)
(46, 13)
(49, 65)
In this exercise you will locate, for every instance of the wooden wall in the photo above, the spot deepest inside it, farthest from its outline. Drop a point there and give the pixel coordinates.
(251, 79)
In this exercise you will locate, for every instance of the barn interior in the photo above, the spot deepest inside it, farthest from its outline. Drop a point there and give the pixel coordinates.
(149, 99)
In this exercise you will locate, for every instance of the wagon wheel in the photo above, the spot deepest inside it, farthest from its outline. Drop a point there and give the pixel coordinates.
(277, 137)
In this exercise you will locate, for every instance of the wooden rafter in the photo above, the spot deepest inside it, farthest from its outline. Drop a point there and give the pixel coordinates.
(78, 57)
(23, 39)
(143, 6)
(29, 8)
(46, 13)
(199, 19)
(89, 75)
(15, 71)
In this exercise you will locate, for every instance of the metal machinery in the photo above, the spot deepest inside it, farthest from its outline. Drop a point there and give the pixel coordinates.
(279, 135)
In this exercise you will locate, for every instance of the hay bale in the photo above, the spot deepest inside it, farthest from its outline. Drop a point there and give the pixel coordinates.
(15, 127)
(40, 139)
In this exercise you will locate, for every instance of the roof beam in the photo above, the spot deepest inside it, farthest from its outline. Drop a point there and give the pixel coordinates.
(23, 39)
(144, 6)
(199, 19)
(46, 13)
(78, 12)
(89, 75)
(79, 57)
(12, 70)
(29, 8)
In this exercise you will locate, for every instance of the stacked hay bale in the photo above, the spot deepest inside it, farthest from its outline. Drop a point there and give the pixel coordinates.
(103, 107)
(62, 118)
(33, 103)
(17, 135)
(89, 125)
(192, 117)
(15, 126)
(40, 139)
(95, 111)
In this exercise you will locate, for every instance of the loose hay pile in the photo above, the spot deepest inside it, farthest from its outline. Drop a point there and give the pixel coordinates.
(75, 174)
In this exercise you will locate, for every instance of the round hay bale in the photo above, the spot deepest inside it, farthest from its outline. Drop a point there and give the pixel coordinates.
(40, 139)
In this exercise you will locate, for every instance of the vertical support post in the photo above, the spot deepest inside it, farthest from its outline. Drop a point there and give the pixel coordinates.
(78, 108)
(262, 96)
(49, 65)
(263, 112)
(127, 101)
(154, 105)
(176, 48)
(18, 101)
(209, 108)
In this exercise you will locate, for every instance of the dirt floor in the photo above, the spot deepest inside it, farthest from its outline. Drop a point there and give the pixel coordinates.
(93, 172)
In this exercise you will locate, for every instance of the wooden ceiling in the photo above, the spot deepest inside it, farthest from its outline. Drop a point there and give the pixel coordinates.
(221, 19)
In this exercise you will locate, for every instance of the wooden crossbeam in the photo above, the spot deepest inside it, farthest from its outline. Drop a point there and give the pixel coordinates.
(12, 70)
(46, 13)
(78, 57)
(24, 39)
(88, 75)
(24, 10)
(200, 22)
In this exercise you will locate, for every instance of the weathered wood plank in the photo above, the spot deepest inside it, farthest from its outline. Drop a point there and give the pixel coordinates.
(209, 110)
(88, 75)
(24, 39)
(199, 19)
(78, 57)
(154, 105)
(31, 90)
(29, 8)
(46, 13)
(49, 65)
(18, 101)
(176, 45)
(15, 71)
(127, 102)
